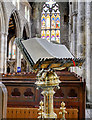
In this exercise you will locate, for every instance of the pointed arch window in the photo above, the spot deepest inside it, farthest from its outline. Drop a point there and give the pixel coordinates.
(50, 22)
(14, 50)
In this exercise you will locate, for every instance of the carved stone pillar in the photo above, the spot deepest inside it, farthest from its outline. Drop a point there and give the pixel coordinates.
(1, 52)
(88, 50)
(80, 28)
(73, 29)
(70, 26)
(81, 35)
(5, 53)
(74, 14)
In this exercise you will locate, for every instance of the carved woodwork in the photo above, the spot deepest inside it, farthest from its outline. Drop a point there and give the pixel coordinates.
(33, 113)
(72, 91)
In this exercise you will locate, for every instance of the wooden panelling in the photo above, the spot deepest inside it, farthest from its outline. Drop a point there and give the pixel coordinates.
(33, 113)
(22, 91)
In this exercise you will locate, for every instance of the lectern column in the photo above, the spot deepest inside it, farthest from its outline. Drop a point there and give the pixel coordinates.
(48, 103)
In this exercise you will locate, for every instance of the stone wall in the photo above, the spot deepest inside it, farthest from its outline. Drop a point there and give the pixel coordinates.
(80, 29)
(7, 9)
(36, 21)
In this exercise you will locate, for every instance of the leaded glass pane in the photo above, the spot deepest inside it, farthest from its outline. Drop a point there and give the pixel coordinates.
(55, 8)
(43, 21)
(52, 35)
(58, 21)
(10, 49)
(48, 21)
(43, 34)
(48, 35)
(14, 51)
(53, 21)
(58, 36)
(45, 9)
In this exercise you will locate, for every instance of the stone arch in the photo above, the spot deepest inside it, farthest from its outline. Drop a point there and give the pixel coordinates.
(2, 19)
(17, 22)
(3, 35)
(14, 31)
(16, 26)
(3, 90)
(25, 35)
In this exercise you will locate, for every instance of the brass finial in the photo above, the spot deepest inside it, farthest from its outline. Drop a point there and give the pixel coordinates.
(41, 107)
(62, 110)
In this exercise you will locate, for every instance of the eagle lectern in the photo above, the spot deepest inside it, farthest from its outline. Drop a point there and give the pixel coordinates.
(48, 80)
(44, 58)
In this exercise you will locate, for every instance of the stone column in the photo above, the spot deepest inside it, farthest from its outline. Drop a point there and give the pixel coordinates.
(73, 29)
(74, 42)
(80, 34)
(88, 50)
(70, 24)
(5, 53)
(80, 28)
(1, 52)
(74, 13)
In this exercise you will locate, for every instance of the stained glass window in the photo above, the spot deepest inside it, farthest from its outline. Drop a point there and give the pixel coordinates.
(53, 21)
(58, 35)
(10, 49)
(14, 50)
(50, 21)
(53, 35)
(57, 21)
(43, 34)
(43, 21)
(48, 35)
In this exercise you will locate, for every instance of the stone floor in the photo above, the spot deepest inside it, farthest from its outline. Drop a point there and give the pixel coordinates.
(88, 114)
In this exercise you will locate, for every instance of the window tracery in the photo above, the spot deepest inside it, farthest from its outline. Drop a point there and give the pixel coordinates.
(50, 22)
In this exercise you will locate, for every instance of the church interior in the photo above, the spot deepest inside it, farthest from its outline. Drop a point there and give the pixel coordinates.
(45, 59)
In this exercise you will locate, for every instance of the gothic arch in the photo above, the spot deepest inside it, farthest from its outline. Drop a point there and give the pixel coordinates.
(17, 22)
(3, 35)
(2, 19)
(14, 30)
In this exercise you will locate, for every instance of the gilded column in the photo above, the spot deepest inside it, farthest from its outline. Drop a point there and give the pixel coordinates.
(48, 103)
(48, 80)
